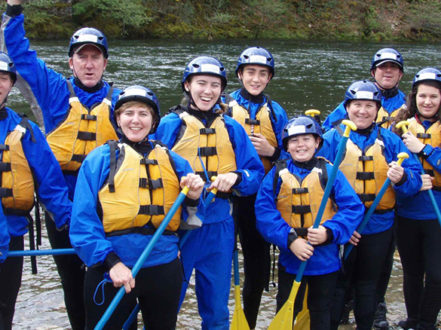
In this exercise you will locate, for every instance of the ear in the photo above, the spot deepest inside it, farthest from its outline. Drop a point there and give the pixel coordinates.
(187, 86)
(373, 73)
(70, 63)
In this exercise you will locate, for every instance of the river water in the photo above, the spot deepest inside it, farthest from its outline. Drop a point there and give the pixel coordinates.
(308, 75)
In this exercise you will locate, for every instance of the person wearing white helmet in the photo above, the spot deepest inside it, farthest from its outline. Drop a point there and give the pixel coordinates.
(27, 167)
(263, 119)
(287, 204)
(418, 231)
(85, 99)
(218, 148)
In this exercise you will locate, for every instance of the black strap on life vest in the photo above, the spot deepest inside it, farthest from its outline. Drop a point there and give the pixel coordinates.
(32, 243)
(112, 170)
(424, 135)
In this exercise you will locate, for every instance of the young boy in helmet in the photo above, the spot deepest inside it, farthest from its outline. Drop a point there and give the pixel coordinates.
(26, 161)
(387, 70)
(132, 204)
(286, 207)
(215, 146)
(84, 99)
(263, 120)
(370, 158)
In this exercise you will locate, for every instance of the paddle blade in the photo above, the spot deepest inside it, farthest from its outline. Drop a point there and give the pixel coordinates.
(285, 317)
(239, 321)
(302, 321)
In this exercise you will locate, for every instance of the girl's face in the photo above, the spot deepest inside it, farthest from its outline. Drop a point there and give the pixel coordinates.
(428, 99)
(302, 147)
(362, 112)
(135, 122)
(205, 90)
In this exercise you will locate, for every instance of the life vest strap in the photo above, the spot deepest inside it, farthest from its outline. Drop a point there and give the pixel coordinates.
(209, 173)
(151, 209)
(149, 183)
(430, 172)
(365, 176)
(366, 158)
(301, 209)
(5, 167)
(4, 147)
(78, 158)
(88, 117)
(297, 191)
(207, 151)
(5, 192)
(252, 121)
(366, 197)
(86, 136)
(207, 131)
(146, 161)
(424, 135)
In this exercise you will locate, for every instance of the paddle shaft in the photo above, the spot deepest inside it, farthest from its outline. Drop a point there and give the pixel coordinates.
(328, 188)
(40, 252)
(148, 249)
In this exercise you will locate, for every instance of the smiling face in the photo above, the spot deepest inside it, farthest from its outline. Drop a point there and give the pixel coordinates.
(387, 75)
(88, 65)
(135, 120)
(362, 112)
(303, 147)
(254, 78)
(6, 84)
(428, 100)
(205, 90)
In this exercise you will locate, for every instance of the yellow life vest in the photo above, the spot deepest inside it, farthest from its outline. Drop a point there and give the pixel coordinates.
(366, 171)
(299, 200)
(385, 118)
(433, 137)
(206, 148)
(139, 190)
(81, 131)
(261, 125)
(17, 182)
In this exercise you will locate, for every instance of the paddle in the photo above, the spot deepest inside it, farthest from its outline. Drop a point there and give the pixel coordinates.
(40, 252)
(148, 249)
(284, 318)
(239, 321)
(401, 157)
(403, 125)
(315, 114)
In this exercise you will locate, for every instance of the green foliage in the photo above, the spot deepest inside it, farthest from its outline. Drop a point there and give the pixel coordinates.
(372, 20)
(114, 17)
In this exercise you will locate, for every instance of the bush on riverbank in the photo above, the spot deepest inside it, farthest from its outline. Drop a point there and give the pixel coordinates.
(373, 20)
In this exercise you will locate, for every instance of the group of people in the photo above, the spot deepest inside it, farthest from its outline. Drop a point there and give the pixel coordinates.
(110, 169)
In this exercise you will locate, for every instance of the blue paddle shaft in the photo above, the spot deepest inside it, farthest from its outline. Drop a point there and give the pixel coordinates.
(148, 249)
(40, 252)
(328, 188)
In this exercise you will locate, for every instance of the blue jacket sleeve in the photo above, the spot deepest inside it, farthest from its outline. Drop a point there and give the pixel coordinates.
(247, 161)
(168, 130)
(51, 186)
(434, 158)
(335, 117)
(48, 86)
(280, 123)
(4, 237)
(86, 231)
(269, 221)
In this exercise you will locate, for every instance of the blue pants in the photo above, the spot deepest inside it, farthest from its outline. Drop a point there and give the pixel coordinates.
(209, 250)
